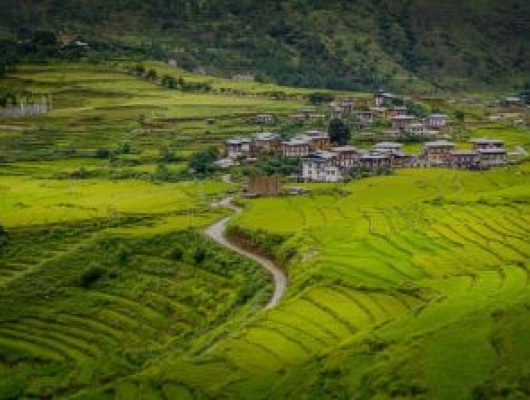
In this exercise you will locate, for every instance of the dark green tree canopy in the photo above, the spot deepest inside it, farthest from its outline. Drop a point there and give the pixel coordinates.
(339, 132)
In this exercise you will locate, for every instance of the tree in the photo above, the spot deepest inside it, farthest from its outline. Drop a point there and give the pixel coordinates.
(460, 116)
(151, 75)
(203, 161)
(339, 132)
(320, 98)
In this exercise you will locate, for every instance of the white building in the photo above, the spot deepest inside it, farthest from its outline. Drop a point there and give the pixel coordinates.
(388, 147)
(321, 166)
(436, 121)
(416, 129)
(238, 147)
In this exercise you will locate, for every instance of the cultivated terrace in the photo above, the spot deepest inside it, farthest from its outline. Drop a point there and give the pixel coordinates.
(175, 224)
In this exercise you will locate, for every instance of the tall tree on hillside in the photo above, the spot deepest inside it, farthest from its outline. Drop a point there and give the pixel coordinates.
(339, 132)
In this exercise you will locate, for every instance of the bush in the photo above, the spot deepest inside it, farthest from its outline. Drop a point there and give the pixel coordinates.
(199, 256)
(176, 254)
(91, 276)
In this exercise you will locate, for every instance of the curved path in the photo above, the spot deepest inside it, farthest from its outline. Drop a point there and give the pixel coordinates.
(217, 233)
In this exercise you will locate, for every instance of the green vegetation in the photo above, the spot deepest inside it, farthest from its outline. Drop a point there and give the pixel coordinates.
(411, 286)
(336, 44)
(339, 132)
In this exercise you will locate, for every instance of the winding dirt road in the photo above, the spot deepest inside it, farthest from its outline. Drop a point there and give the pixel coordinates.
(217, 233)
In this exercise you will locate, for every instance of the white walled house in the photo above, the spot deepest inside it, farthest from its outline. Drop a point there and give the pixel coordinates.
(321, 166)
(238, 147)
(436, 121)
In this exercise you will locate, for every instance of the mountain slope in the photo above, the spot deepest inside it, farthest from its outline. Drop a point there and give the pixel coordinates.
(335, 44)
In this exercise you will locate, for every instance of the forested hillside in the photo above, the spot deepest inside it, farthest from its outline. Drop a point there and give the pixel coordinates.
(334, 44)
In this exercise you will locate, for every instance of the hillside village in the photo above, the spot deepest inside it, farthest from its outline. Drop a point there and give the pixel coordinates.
(322, 160)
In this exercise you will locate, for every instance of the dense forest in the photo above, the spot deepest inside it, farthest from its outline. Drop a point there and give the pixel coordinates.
(334, 44)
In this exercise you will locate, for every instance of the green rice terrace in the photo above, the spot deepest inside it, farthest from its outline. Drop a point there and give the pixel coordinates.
(413, 285)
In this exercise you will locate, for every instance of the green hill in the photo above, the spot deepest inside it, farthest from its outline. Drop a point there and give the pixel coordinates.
(334, 44)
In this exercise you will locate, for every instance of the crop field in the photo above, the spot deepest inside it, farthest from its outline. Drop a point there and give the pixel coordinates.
(407, 286)
(97, 107)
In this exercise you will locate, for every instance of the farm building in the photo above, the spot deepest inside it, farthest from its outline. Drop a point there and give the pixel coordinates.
(437, 152)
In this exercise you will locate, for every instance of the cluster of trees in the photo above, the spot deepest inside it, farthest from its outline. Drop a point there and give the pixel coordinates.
(203, 162)
(168, 81)
(276, 164)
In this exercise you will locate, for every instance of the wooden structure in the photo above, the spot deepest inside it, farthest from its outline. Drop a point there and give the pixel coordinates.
(265, 185)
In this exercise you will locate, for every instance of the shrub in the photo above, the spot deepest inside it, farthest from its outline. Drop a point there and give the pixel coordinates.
(199, 255)
(90, 276)
(176, 254)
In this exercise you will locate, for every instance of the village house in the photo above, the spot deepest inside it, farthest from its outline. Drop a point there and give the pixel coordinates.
(436, 121)
(512, 101)
(347, 157)
(341, 108)
(375, 162)
(416, 129)
(365, 117)
(247, 77)
(319, 140)
(492, 157)
(395, 151)
(401, 122)
(399, 111)
(297, 117)
(463, 159)
(486, 143)
(263, 119)
(437, 152)
(267, 142)
(382, 99)
(317, 117)
(388, 147)
(321, 166)
(380, 112)
(238, 148)
(296, 147)
(389, 134)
